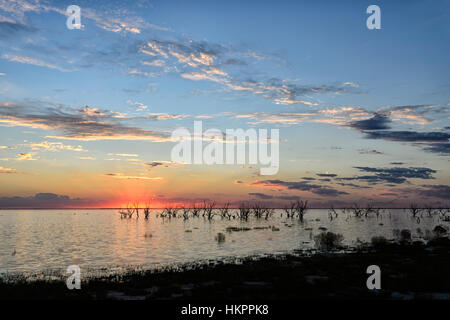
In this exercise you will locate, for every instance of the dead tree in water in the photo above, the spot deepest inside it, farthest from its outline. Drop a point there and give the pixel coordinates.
(414, 209)
(185, 212)
(297, 208)
(127, 213)
(290, 211)
(123, 214)
(147, 211)
(268, 212)
(169, 212)
(208, 209)
(301, 207)
(429, 209)
(332, 213)
(195, 210)
(244, 211)
(357, 211)
(225, 212)
(136, 209)
(258, 210)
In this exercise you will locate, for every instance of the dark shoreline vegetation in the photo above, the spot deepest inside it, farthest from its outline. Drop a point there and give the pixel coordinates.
(411, 267)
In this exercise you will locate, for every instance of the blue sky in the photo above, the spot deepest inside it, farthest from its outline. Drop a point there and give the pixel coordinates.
(95, 107)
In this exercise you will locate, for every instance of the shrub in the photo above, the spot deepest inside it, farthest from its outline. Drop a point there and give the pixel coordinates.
(405, 235)
(439, 231)
(328, 241)
(220, 237)
(379, 241)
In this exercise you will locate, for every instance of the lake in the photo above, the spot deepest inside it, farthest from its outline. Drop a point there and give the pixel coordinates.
(35, 241)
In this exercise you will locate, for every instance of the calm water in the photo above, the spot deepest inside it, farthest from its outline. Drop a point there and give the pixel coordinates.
(33, 241)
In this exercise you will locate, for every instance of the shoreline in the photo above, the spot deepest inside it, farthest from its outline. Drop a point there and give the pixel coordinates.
(408, 271)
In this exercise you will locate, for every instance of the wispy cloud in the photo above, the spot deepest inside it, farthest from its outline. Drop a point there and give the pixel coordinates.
(46, 200)
(33, 61)
(299, 186)
(396, 175)
(128, 177)
(55, 146)
(123, 154)
(74, 124)
(163, 163)
(25, 156)
(110, 19)
(4, 170)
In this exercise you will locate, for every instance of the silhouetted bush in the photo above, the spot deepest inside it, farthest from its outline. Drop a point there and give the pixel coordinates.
(440, 231)
(328, 241)
(220, 237)
(405, 235)
(379, 242)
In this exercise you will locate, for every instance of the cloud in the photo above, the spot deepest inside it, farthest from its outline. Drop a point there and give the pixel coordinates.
(163, 163)
(301, 186)
(409, 136)
(12, 29)
(114, 19)
(351, 84)
(415, 114)
(369, 151)
(4, 170)
(396, 175)
(436, 142)
(442, 148)
(377, 126)
(166, 116)
(25, 156)
(87, 124)
(45, 200)
(194, 60)
(290, 198)
(136, 72)
(260, 195)
(55, 146)
(436, 191)
(33, 61)
(256, 118)
(331, 175)
(203, 61)
(127, 177)
(377, 122)
(282, 92)
(334, 116)
(123, 154)
(264, 196)
(154, 63)
(138, 105)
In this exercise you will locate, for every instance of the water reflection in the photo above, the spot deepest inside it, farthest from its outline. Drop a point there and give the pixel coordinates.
(38, 240)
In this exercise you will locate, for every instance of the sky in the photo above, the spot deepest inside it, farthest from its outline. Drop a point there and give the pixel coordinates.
(87, 115)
